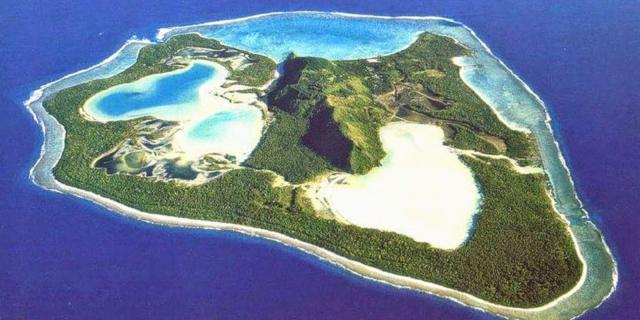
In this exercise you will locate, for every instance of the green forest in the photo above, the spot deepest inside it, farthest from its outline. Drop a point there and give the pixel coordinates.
(519, 254)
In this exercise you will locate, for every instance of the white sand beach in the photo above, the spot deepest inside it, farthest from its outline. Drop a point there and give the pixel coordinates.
(422, 190)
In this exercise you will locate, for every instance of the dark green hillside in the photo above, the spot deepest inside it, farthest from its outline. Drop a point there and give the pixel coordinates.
(338, 117)
(338, 106)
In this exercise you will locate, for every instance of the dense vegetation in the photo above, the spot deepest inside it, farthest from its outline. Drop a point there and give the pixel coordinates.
(425, 72)
(324, 119)
(519, 253)
(465, 139)
(329, 110)
(294, 161)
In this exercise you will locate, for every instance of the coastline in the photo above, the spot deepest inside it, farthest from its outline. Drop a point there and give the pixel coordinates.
(41, 174)
(44, 178)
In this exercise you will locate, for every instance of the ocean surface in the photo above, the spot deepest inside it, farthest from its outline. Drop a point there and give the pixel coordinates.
(62, 257)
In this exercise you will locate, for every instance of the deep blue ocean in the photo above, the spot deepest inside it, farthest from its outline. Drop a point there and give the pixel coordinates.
(65, 258)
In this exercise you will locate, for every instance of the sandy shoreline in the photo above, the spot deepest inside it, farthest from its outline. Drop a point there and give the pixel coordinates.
(52, 148)
(431, 193)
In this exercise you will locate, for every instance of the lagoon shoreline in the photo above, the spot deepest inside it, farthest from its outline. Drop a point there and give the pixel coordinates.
(54, 135)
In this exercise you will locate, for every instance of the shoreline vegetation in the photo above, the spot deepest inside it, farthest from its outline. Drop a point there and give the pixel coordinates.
(520, 253)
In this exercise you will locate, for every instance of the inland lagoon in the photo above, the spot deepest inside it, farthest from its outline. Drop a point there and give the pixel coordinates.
(209, 123)
(172, 96)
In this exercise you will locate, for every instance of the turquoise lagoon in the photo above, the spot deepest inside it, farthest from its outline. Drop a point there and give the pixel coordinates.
(169, 96)
(235, 131)
(210, 123)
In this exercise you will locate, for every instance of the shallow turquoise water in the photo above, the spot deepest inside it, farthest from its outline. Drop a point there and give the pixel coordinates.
(318, 35)
(234, 131)
(222, 124)
(323, 36)
(211, 124)
(168, 96)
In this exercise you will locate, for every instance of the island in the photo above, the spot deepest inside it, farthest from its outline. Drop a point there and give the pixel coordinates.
(393, 166)
(324, 118)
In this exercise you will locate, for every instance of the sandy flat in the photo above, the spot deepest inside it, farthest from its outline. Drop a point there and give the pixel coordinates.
(422, 190)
